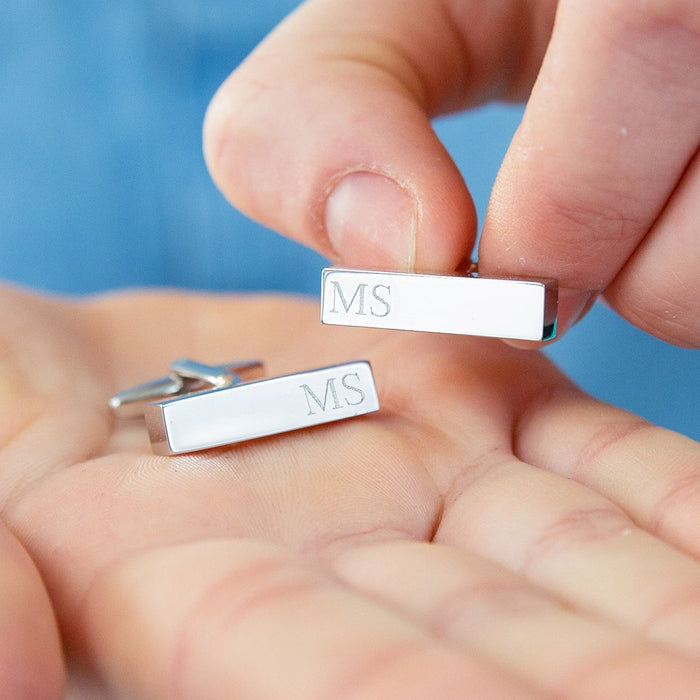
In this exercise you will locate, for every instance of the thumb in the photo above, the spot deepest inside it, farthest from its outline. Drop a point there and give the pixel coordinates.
(324, 132)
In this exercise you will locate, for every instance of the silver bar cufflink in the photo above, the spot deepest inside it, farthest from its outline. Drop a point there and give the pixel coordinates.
(243, 410)
(523, 309)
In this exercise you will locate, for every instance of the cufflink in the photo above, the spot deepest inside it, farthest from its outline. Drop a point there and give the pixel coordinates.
(500, 307)
(198, 407)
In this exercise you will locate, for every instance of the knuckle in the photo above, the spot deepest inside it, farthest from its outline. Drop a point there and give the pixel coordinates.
(656, 41)
(593, 230)
(663, 305)
(653, 16)
(228, 118)
(681, 496)
(575, 529)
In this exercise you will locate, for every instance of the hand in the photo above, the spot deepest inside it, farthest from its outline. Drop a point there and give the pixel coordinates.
(491, 532)
(324, 134)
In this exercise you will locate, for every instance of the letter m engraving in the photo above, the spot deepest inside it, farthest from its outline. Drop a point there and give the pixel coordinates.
(313, 401)
(358, 295)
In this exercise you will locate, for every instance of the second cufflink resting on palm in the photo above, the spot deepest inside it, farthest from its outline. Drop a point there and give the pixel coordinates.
(219, 408)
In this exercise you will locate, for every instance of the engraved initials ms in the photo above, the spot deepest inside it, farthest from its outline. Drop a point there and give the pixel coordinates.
(351, 394)
(375, 300)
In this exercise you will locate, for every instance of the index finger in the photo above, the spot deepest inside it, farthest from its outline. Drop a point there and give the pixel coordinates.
(611, 126)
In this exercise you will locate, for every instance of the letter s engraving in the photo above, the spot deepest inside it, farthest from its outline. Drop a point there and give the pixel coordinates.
(354, 389)
(383, 301)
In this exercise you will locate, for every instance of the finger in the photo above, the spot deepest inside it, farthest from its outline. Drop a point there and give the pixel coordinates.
(651, 473)
(44, 366)
(324, 132)
(574, 543)
(658, 289)
(611, 126)
(212, 619)
(488, 610)
(31, 667)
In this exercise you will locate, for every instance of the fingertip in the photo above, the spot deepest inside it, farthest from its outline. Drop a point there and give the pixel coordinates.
(371, 216)
(374, 220)
(574, 304)
(31, 664)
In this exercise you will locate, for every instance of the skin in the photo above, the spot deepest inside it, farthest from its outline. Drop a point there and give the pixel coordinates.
(491, 532)
(324, 134)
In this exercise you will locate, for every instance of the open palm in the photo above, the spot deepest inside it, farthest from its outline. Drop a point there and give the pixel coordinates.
(491, 532)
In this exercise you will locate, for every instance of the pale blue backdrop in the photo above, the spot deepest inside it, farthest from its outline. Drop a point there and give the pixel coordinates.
(102, 182)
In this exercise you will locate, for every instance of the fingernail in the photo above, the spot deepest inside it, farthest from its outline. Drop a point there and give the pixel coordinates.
(371, 220)
(573, 306)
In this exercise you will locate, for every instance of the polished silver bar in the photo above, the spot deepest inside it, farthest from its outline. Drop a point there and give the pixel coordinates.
(524, 309)
(266, 407)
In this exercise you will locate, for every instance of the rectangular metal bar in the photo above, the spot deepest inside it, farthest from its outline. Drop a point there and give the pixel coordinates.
(265, 407)
(524, 309)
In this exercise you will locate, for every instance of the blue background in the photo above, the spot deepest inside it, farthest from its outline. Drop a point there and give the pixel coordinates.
(102, 181)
